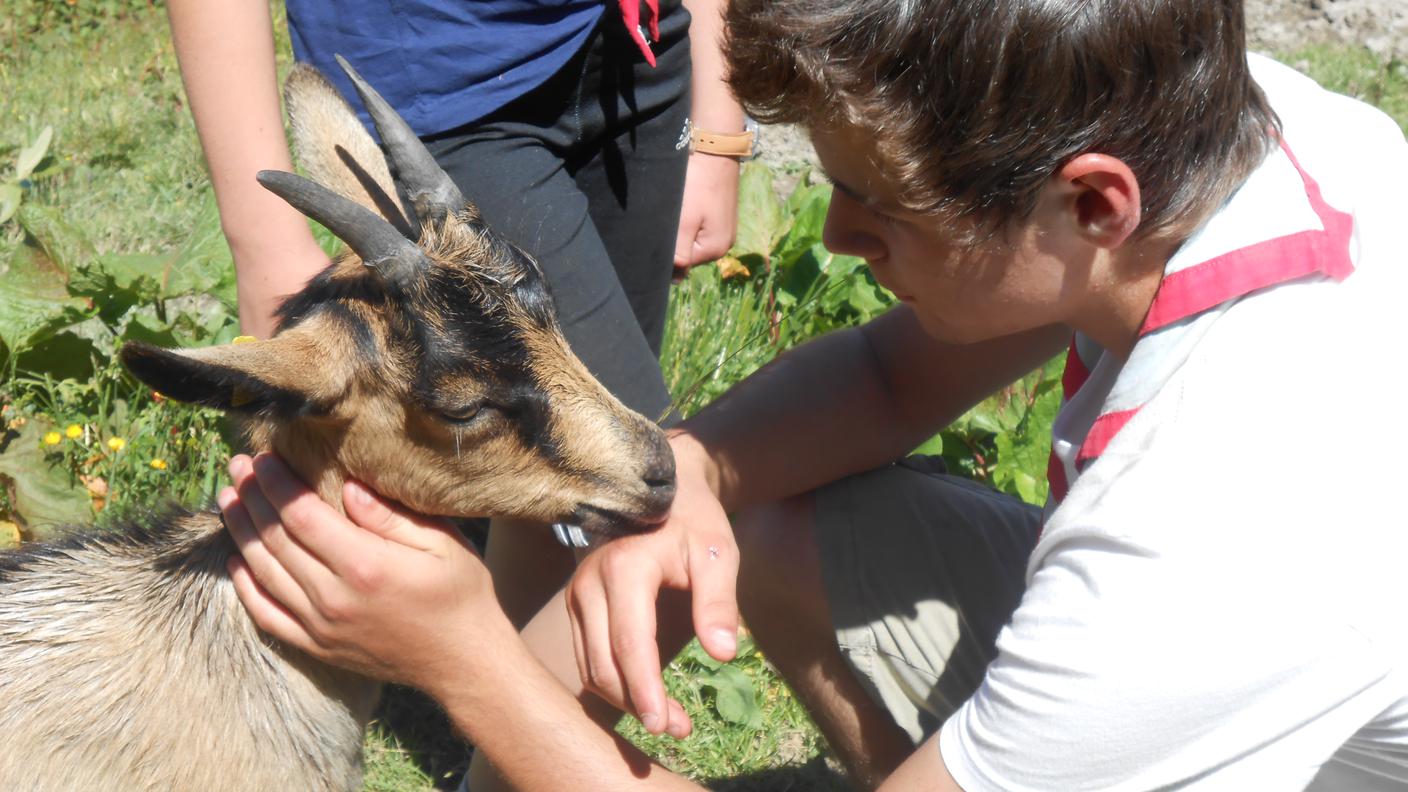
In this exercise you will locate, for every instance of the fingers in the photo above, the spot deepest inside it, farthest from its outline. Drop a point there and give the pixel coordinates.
(713, 573)
(394, 523)
(700, 243)
(266, 611)
(271, 575)
(631, 591)
(614, 638)
(591, 637)
(305, 534)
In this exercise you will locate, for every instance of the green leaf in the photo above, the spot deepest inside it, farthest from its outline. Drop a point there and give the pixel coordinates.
(67, 355)
(149, 330)
(696, 653)
(734, 697)
(34, 305)
(43, 496)
(33, 154)
(761, 218)
(65, 247)
(799, 280)
(808, 219)
(203, 264)
(934, 446)
(143, 274)
(746, 645)
(865, 296)
(10, 197)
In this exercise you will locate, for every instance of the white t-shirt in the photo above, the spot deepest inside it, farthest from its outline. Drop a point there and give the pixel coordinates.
(1221, 599)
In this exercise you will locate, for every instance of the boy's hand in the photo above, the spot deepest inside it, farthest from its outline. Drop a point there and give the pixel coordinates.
(392, 595)
(611, 600)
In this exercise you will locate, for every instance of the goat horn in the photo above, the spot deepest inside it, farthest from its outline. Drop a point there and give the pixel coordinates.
(377, 241)
(412, 166)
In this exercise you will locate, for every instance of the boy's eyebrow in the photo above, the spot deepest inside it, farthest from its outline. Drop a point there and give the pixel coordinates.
(855, 195)
(869, 202)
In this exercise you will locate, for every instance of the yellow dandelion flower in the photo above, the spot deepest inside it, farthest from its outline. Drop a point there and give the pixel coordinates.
(159, 464)
(53, 438)
(74, 431)
(116, 443)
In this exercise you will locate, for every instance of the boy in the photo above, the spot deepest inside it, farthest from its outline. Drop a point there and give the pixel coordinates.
(1201, 604)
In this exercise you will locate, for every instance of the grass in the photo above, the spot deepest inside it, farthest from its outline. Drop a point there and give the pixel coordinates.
(127, 177)
(1358, 73)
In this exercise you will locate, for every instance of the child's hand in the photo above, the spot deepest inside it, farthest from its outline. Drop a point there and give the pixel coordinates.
(611, 601)
(388, 594)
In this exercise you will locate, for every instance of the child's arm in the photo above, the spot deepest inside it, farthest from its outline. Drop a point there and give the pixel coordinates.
(226, 53)
(709, 215)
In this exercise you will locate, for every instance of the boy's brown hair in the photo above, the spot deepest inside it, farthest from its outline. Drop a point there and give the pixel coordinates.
(975, 103)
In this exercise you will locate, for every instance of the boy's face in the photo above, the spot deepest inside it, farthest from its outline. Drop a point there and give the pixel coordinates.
(1028, 277)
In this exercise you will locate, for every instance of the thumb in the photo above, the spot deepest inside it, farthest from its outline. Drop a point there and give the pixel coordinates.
(390, 521)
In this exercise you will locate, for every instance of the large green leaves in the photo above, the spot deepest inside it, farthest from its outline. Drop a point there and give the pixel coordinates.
(34, 301)
(761, 216)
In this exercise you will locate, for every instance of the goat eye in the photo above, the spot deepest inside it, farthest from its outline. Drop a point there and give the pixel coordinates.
(462, 414)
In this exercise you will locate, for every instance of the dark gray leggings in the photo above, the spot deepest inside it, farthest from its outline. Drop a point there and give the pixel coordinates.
(585, 174)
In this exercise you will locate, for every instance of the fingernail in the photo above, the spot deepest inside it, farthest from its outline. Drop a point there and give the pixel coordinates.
(725, 640)
(240, 466)
(651, 722)
(358, 493)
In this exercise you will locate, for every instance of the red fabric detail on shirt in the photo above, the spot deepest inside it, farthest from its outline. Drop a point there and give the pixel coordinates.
(1215, 281)
(1071, 381)
(630, 15)
(1242, 271)
(1101, 433)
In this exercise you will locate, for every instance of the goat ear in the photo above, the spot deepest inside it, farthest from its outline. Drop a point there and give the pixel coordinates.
(284, 377)
(335, 149)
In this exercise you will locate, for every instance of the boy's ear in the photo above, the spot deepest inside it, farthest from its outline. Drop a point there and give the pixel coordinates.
(1107, 205)
(284, 377)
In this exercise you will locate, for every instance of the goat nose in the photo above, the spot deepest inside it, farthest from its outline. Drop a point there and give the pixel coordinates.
(659, 474)
(659, 463)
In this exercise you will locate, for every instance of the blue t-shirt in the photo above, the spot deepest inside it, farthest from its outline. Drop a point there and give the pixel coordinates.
(442, 63)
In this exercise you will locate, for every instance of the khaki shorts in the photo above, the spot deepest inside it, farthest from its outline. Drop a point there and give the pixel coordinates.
(921, 570)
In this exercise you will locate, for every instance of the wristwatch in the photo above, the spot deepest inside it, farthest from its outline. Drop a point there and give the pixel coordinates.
(738, 145)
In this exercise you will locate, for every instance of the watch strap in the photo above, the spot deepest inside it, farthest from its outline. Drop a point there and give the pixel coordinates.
(738, 144)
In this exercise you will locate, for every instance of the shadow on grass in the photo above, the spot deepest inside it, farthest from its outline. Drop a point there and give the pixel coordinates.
(425, 733)
(814, 776)
(427, 738)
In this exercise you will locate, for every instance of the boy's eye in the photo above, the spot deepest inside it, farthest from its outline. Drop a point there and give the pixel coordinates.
(886, 217)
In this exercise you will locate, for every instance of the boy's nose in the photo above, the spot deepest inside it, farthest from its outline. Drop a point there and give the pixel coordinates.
(846, 231)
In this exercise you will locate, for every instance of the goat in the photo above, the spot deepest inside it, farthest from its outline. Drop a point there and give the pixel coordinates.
(425, 361)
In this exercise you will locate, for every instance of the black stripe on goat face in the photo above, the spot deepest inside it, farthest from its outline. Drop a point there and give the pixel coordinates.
(332, 292)
(483, 337)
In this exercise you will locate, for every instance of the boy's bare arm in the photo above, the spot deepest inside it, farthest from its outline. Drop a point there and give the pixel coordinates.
(850, 401)
(226, 53)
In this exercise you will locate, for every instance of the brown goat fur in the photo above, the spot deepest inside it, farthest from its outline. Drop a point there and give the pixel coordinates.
(126, 660)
